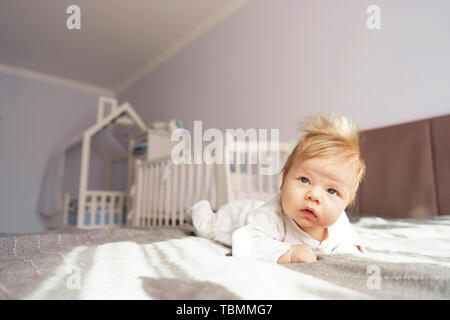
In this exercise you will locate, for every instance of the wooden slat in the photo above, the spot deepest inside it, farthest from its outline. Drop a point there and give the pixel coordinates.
(120, 210)
(270, 177)
(155, 194)
(161, 196)
(182, 191)
(168, 184)
(175, 185)
(139, 183)
(92, 207)
(150, 193)
(248, 167)
(190, 168)
(208, 181)
(238, 175)
(198, 183)
(102, 209)
(142, 219)
(260, 179)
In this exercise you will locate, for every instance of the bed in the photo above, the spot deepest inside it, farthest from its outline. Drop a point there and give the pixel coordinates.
(402, 214)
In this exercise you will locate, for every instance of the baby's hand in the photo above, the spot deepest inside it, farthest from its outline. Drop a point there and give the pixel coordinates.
(301, 253)
(298, 253)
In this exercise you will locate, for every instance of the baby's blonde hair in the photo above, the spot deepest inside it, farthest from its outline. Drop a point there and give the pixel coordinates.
(327, 136)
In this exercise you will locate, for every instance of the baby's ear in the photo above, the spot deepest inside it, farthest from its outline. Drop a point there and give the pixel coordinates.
(283, 177)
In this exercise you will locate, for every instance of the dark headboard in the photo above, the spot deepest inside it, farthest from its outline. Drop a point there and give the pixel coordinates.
(408, 170)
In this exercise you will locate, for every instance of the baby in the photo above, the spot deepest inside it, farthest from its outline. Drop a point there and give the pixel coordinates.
(306, 218)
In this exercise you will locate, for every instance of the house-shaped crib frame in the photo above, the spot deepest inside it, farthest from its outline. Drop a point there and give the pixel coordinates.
(100, 208)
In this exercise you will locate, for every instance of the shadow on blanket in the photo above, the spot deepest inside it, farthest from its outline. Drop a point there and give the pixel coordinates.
(176, 289)
(29, 260)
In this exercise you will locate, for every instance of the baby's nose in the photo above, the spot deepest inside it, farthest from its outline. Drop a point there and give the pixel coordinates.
(313, 195)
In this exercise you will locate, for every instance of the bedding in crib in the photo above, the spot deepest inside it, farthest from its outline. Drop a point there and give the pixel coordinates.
(405, 259)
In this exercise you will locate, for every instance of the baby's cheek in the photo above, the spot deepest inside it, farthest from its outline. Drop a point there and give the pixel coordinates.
(332, 217)
(292, 190)
(288, 201)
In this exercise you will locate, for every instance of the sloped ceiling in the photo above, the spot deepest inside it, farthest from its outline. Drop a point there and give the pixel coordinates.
(118, 43)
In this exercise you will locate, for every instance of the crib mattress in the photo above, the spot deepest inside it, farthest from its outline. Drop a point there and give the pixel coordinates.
(405, 259)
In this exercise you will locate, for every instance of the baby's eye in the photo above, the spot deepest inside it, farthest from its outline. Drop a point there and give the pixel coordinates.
(304, 180)
(332, 191)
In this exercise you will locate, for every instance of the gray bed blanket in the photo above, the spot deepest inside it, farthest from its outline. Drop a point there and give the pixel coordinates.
(405, 259)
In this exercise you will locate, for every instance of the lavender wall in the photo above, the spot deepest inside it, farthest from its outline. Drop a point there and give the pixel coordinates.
(266, 66)
(274, 61)
(36, 118)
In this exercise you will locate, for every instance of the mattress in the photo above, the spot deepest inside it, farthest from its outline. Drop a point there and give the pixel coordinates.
(404, 259)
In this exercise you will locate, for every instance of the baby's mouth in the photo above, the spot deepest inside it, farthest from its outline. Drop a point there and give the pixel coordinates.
(309, 212)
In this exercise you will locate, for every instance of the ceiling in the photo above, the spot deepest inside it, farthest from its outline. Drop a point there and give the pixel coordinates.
(119, 41)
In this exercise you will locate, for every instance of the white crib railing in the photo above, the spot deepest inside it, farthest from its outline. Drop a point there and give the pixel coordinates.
(246, 178)
(102, 209)
(163, 191)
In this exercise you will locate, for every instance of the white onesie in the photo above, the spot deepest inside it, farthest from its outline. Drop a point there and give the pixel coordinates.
(262, 231)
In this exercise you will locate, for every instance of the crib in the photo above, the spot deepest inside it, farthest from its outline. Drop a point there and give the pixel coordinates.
(101, 208)
(161, 191)
(158, 191)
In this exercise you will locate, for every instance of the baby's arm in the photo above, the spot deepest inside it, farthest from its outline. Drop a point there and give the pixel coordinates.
(298, 253)
(253, 243)
(262, 238)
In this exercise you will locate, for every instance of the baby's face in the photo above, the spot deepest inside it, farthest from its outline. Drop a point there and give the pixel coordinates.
(316, 191)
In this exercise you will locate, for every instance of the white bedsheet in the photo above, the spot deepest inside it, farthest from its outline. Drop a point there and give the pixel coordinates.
(406, 240)
(410, 256)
